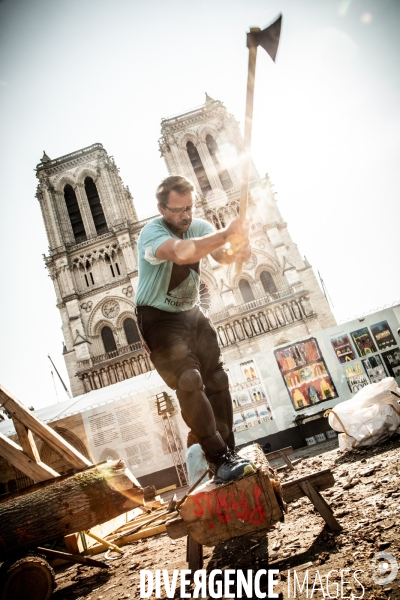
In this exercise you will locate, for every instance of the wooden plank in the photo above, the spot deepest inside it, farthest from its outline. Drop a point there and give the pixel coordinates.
(57, 443)
(279, 453)
(214, 513)
(141, 535)
(14, 454)
(169, 488)
(287, 460)
(73, 558)
(321, 505)
(75, 503)
(194, 554)
(73, 541)
(26, 440)
(176, 528)
(322, 480)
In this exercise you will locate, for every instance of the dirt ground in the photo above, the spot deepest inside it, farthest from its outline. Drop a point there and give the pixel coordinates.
(365, 500)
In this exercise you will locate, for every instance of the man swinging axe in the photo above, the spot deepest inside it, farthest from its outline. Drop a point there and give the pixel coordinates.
(182, 341)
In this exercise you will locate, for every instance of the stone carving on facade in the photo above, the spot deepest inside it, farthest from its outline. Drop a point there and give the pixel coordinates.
(255, 324)
(247, 327)
(271, 318)
(287, 313)
(263, 320)
(230, 334)
(279, 315)
(222, 336)
(239, 330)
(251, 263)
(110, 309)
(306, 306)
(128, 291)
(295, 309)
(87, 306)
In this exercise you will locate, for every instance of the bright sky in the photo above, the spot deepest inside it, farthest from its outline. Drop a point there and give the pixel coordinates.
(326, 129)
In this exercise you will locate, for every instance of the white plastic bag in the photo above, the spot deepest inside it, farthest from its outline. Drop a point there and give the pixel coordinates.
(196, 464)
(370, 417)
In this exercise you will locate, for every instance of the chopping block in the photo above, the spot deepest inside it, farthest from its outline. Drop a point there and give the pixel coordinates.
(213, 513)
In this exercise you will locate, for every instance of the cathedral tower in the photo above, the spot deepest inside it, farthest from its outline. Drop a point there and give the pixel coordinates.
(276, 298)
(92, 227)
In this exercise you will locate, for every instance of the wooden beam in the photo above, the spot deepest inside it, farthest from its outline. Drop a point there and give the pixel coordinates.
(140, 535)
(72, 558)
(57, 443)
(322, 480)
(279, 453)
(321, 505)
(14, 454)
(25, 437)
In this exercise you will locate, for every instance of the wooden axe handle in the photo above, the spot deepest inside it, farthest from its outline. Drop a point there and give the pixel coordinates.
(247, 137)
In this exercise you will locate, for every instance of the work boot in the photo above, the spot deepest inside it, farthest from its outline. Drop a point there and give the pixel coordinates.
(231, 467)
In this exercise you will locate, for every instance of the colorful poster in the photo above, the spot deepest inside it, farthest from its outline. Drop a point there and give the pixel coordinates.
(363, 341)
(343, 348)
(305, 374)
(374, 368)
(355, 378)
(239, 423)
(249, 398)
(392, 361)
(383, 335)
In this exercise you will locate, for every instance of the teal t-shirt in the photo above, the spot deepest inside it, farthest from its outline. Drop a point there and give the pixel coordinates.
(162, 283)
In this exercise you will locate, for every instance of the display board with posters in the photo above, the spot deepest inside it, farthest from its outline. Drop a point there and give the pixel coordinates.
(130, 428)
(249, 398)
(305, 374)
(383, 335)
(374, 368)
(343, 348)
(363, 341)
(392, 361)
(355, 377)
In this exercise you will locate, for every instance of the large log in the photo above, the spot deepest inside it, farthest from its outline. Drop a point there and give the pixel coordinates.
(66, 505)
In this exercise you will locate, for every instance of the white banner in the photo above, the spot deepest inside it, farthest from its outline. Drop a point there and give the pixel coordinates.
(131, 429)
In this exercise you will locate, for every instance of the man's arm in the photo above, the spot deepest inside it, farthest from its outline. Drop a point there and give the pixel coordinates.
(186, 252)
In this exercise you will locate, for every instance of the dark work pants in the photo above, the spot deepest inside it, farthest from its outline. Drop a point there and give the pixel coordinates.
(187, 340)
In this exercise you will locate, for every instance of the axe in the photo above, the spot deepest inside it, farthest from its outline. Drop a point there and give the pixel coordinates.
(269, 39)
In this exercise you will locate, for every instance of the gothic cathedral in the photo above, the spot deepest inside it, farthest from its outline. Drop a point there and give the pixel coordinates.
(92, 228)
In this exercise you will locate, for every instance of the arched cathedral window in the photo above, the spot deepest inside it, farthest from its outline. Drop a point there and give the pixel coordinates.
(108, 339)
(223, 174)
(131, 331)
(74, 214)
(246, 291)
(268, 282)
(95, 206)
(198, 168)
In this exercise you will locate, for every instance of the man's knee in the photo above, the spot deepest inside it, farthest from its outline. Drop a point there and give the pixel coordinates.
(190, 381)
(217, 382)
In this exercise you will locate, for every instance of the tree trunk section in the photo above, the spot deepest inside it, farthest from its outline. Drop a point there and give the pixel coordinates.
(67, 505)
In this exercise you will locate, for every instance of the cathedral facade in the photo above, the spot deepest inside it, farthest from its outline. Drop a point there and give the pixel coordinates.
(92, 228)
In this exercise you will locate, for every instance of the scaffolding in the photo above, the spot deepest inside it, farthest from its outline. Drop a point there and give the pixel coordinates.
(164, 408)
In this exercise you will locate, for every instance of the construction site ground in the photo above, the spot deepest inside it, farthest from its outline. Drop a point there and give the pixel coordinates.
(365, 500)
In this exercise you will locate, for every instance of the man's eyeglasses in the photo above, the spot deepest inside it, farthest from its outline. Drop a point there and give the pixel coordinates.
(179, 211)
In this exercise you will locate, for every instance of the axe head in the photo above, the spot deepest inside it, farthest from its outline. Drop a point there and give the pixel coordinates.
(268, 38)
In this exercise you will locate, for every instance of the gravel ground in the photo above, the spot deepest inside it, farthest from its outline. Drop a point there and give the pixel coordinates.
(365, 500)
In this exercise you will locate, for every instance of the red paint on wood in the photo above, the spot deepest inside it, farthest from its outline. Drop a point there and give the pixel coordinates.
(226, 504)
